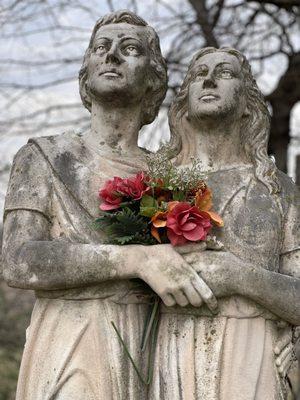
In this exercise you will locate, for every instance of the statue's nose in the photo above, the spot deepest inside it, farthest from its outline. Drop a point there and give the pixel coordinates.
(113, 55)
(209, 82)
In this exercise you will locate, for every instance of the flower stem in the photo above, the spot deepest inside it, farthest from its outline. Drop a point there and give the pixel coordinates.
(151, 330)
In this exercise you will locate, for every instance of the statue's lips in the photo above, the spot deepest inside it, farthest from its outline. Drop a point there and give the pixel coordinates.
(207, 97)
(111, 74)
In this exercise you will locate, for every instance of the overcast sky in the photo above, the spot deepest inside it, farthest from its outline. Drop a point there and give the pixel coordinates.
(72, 43)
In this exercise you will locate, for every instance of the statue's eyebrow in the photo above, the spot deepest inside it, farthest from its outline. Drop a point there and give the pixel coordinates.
(224, 63)
(97, 38)
(220, 64)
(130, 38)
(202, 65)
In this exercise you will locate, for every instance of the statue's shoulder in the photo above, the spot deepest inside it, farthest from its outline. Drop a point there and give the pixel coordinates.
(287, 184)
(290, 192)
(54, 142)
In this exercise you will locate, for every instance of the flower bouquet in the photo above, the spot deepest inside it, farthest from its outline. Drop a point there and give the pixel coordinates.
(162, 205)
(165, 204)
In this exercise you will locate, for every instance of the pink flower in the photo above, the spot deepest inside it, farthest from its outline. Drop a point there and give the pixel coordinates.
(111, 194)
(134, 187)
(187, 223)
(117, 189)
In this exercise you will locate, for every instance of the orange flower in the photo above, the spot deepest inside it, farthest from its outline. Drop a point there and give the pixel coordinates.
(159, 220)
(203, 200)
(215, 218)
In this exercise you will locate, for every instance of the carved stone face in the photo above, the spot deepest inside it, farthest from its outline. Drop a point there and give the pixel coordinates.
(119, 64)
(217, 89)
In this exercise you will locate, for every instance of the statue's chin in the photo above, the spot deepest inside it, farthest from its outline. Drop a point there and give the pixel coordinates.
(199, 116)
(115, 92)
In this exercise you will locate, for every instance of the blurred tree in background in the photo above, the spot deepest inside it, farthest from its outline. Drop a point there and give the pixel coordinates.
(42, 43)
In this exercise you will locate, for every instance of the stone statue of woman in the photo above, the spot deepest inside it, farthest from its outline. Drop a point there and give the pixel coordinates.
(49, 245)
(242, 351)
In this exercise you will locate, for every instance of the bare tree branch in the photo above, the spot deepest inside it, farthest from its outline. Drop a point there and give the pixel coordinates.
(203, 19)
(288, 4)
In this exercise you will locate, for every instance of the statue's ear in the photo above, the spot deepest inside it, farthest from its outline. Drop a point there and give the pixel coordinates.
(246, 113)
(84, 90)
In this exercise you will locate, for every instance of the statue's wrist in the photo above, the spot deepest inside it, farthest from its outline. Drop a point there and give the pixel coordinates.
(136, 260)
(242, 281)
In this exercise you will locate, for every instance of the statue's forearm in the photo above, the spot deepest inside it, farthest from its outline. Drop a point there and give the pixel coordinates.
(59, 264)
(31, 260)
(276, 292)
(227, 275)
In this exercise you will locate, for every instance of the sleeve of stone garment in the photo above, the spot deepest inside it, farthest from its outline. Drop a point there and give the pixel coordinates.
(291, 240)
(29, 185)
(290, 251)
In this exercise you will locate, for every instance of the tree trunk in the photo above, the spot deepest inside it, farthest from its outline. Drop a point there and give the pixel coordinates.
(283, 99)
(279, 139)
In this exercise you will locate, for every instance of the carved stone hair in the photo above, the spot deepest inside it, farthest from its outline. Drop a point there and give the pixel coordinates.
(158, 68)
(255, 127)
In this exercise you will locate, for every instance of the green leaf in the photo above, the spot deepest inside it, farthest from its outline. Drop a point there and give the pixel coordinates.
(178, 196)
(125, 226)
(148, 206)
(148, 201)
(147, 211)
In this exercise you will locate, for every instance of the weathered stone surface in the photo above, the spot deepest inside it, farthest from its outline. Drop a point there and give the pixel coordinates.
(15, 309)
(49, 246)
(227, 317)
(220, 116)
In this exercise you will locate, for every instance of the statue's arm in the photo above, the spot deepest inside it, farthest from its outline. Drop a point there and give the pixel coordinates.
(275, 291)
(32, 261)
(227, 275)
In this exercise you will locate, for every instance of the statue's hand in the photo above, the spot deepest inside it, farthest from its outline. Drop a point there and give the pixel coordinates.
(219, 269)
(284, 349)
(173, 279)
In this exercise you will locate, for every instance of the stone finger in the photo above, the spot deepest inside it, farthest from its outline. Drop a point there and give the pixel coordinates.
(285, 366)
(180, 298)
(168, 300)
(282, 343)
(286, 352)
(193, 296)
(206, 294)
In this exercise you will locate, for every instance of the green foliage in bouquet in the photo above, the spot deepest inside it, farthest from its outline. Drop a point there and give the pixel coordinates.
(124, 227)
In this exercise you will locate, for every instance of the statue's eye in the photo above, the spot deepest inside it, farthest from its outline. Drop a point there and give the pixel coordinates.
(201, 74)
(131, 50)
(100, 49)
(225, 74)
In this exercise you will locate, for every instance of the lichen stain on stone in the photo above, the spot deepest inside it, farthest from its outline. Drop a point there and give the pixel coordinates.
(66, 165)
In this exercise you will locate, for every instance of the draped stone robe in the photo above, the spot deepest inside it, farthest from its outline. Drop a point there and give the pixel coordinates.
(72, 351)
(230, 356)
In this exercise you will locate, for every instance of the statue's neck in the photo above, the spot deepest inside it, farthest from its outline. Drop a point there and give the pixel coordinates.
(114, 129)
(219, 145)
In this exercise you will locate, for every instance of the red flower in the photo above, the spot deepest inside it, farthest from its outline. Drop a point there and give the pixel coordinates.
(134, 187)
(116, 189)
(111, 194)
(187, 223)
